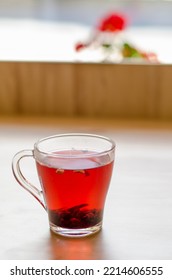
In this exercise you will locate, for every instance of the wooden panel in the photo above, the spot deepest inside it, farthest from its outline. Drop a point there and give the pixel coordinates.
(69, 89)
(46, 88)
(31, 89)
(116, 90)
(165, 99)
(8, 88)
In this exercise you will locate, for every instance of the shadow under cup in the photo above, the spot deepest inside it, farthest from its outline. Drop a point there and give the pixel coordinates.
(74, 172)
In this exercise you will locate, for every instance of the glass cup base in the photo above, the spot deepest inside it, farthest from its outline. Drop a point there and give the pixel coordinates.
(75, 233)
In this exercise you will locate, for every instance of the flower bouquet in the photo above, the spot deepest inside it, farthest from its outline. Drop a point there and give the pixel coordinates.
(108, 37)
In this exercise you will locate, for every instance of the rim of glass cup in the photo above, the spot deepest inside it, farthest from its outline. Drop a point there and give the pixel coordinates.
(52, 154)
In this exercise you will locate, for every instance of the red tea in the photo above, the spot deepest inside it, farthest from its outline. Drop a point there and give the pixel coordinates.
(75, 188)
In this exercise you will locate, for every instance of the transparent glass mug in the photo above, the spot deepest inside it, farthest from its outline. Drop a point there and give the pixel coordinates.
(74, 171)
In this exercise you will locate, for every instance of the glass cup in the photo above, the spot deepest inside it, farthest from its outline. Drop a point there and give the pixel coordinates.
(74, 171)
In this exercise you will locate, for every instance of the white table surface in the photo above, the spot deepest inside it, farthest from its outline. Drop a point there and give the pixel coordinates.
(138, 213)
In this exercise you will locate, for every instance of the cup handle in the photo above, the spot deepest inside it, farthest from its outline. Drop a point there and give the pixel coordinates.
(22, 180)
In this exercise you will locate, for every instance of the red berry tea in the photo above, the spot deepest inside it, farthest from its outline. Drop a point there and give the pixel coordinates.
(75, 187)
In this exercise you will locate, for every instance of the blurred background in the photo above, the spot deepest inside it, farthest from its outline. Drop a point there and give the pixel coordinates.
(45, 33)
(141, 12)
(50, 28)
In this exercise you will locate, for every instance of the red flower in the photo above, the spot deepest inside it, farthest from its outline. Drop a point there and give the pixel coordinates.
(80, 46)
(112, 23)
